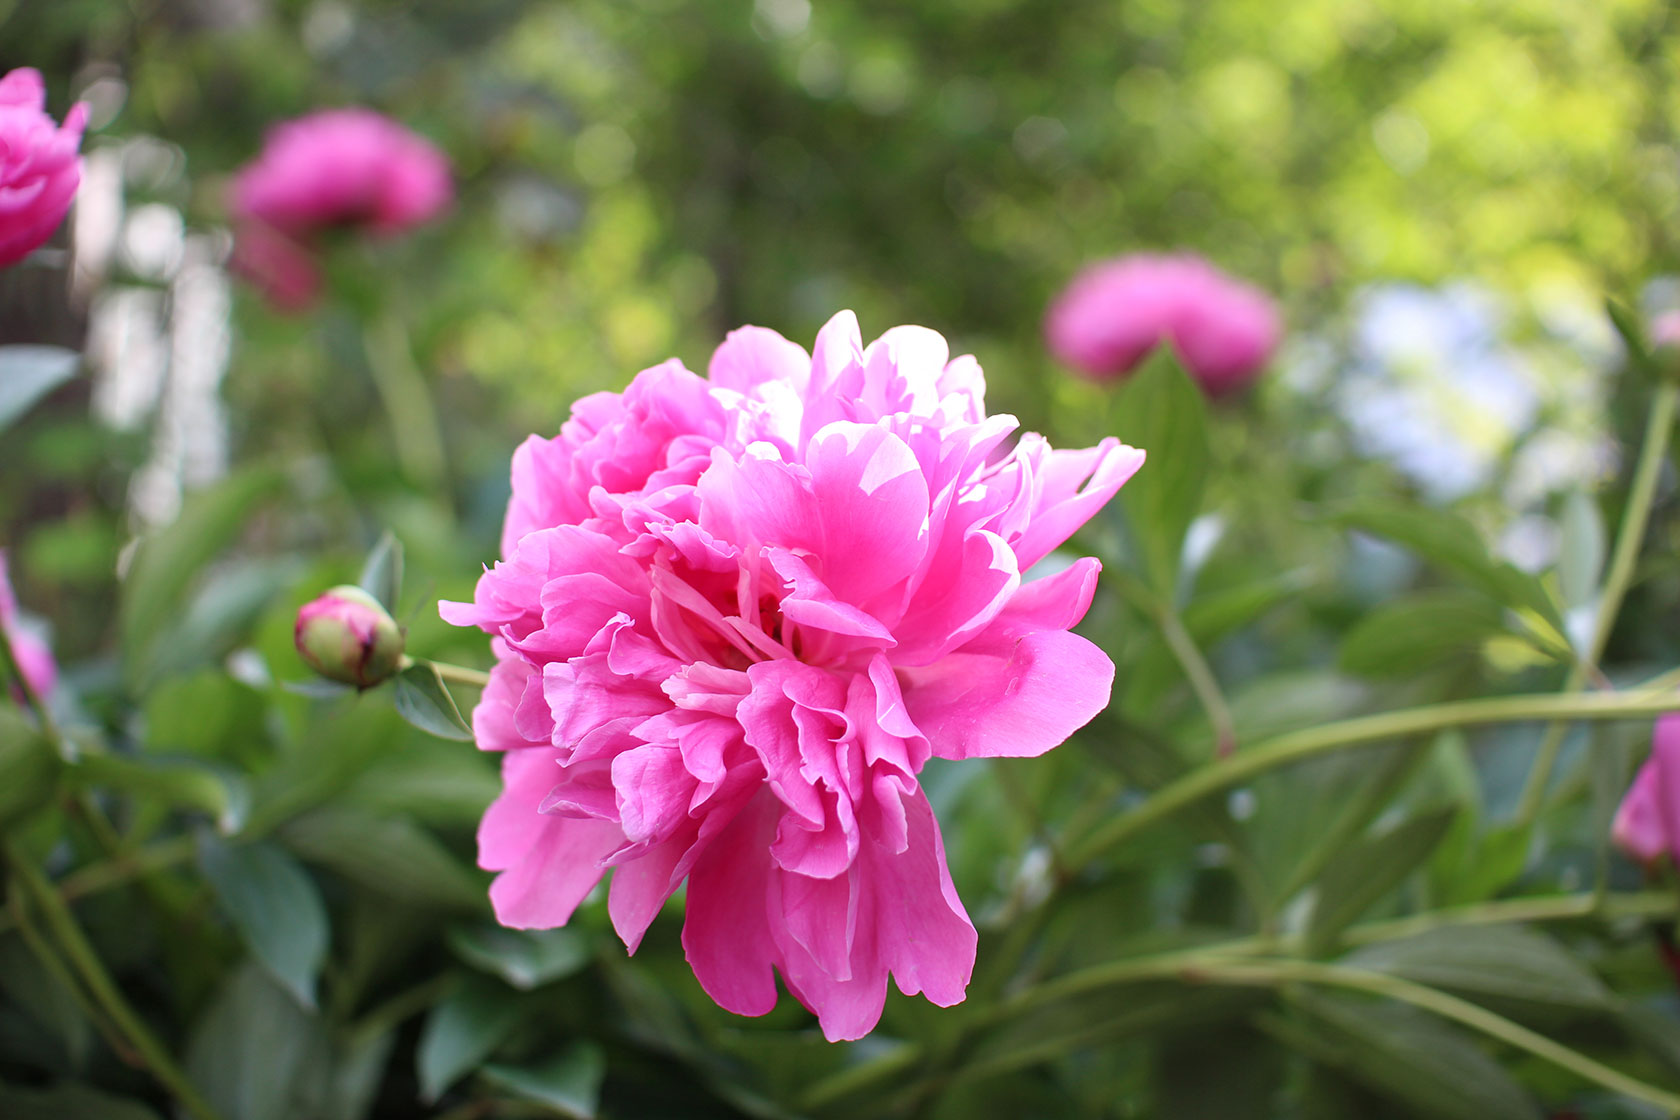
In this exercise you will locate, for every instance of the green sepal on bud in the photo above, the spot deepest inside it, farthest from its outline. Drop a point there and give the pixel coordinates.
(348, 636)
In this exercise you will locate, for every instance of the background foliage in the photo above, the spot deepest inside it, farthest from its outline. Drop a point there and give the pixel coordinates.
(278, 885)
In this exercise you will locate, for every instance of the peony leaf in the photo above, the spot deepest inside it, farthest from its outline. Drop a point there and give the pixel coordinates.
(29, 767)
(1419, 632)
(1512, 962)
(382, 575)
(524, 958)
(424, 700)
(276, 907)
(569, 1083)
(29, 373)
(462, 1031)
(1363, 872)
(1403, 1054)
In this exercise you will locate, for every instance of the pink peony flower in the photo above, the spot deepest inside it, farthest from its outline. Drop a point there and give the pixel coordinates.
(342, 167)
(39, 167)
(1115, 312)
(1647, 823)
(735, 617)
(335, 168)
(33, 658)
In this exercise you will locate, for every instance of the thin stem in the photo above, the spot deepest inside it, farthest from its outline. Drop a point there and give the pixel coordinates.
(48, 958)
(408, 401)
(103, 988)
(1295, 746)
(1647, 904)
(1201, 678)
(105, 875)
(1275, 973)
(460, 674)
(1630, 536)
(1158, 966)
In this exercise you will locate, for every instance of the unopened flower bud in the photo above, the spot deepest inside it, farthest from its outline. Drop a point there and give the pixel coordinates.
(346, 635)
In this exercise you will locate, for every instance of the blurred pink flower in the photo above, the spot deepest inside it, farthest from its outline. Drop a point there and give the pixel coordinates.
(735, 617)
(1647, 824)
(342, 167)
(1115, 312)
(39, 167)
(336, 168)
(34, 659)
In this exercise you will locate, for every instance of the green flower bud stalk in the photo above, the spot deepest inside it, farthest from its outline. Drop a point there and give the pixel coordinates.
(347, 636)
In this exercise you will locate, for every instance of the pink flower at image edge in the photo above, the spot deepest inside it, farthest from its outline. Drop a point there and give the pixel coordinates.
(34, 659)
(736, 616)
(40, 169)
(1647, 823)
(1116, 312)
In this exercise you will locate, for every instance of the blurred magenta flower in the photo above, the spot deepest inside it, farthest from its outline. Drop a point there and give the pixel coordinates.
(337, 168)
(34, 659)
(736, 616)
(1115, 312)
(347, 636)
(1647, 824)
(342, 167)
(39, 166)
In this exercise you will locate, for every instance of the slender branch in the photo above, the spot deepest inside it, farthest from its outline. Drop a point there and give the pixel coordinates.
(1275, 973)
(1629, 538)
(103, 988)
(1295, 746)
(1201, 678)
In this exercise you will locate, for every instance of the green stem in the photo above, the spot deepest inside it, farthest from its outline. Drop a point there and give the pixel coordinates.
(1271, 974)
(107, 874)
(1295, 746)
(103, 988)
(1625, 554)
(1201, 678)
(408, 402)
(460, 674)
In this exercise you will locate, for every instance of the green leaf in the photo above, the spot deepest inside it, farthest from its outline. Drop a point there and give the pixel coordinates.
(1404, 1054)
(29, 766)
(1632, 331)
(69, 1102)
(276, 907)
(570, 1083)
(423, 700)
(29, 373)
(45, 999)
(461, 1032)
(1162, 411)
(255, 1053)
(1365, 871)
(168, 562)
(382, 575)
(1212, 616)
(185, 783)
(524, 958)
(1581, 552)
(1420, 632)
(1452, 542)
(391, 855)
(1511, 962)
